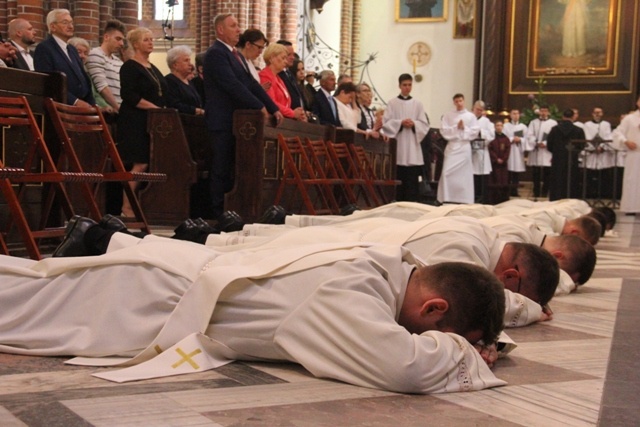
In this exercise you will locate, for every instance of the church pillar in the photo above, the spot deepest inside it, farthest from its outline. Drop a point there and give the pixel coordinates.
(273, 20)
(345, 35)
(86, 19)
(355, 35)
(127, 12)
(289, 17)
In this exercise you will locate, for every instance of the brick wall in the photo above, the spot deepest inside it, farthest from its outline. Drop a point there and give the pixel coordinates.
(278, 19)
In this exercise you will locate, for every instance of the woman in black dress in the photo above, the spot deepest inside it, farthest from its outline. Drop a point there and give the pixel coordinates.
(180, 95)
(142, 88)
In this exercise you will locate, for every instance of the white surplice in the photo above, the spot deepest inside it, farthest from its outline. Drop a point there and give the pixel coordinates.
(409, 151)
(516, 155)
(629, 130)
(456, 179)
(537, 133)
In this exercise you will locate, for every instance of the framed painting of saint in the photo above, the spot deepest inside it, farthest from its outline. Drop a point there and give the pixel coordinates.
(573, 36)
(421, 10)
(464, 26)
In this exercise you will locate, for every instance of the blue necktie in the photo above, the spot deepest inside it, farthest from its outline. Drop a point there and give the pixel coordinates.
(333, 106)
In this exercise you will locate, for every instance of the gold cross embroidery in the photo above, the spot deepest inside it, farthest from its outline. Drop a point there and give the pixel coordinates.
(187, 358)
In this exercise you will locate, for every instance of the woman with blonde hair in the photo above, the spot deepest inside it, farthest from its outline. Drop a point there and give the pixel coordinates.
(143, 88)
(275, 56)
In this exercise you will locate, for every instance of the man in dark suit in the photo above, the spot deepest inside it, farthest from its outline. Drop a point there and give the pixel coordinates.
(229, 86)
(54, 54)
(289, 79)
(22, 36)
(325, 106)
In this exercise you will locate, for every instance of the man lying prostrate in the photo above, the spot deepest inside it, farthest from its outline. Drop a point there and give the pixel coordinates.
(366, 314)
(529, 273)
(568, 208)
(407, 211)
(550, 222)
(576, 257)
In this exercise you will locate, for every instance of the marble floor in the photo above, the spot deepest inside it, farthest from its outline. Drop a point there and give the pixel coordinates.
(580, 369)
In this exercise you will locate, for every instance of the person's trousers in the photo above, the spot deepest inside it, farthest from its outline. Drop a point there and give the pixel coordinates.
(540, 180)
(223, 168)
(409, 190)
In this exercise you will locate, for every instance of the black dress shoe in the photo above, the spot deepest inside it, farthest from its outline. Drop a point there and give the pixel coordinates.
(275, 214)
(204, 226)
(112, 223)
(349, 209)
(73, 242)
(188, 231)
(229, 221)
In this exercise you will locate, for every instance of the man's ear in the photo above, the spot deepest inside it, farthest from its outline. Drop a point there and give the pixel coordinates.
(557, 254)
(434, 306)
(510, 278)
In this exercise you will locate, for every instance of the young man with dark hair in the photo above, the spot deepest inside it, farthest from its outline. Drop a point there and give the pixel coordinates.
(405, 120)
(104, 65)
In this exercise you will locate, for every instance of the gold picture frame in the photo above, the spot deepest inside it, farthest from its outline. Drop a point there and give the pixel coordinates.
(565, 40)
(422, 10)
(464, 24)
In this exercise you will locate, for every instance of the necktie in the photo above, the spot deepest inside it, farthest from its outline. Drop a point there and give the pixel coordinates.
(333, 106)
(237, 55)
(77, 68)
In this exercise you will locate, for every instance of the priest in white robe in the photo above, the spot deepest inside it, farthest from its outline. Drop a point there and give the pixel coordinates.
(458, 127)
(359, 313)
(627, 137)
(405, 120)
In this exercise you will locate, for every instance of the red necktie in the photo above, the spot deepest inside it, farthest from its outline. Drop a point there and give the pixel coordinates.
(237, 55)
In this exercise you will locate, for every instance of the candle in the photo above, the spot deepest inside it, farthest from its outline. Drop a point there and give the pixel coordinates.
(414, 65)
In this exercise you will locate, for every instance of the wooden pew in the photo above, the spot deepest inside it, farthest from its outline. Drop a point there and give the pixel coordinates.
(259, 163)
(168, 202)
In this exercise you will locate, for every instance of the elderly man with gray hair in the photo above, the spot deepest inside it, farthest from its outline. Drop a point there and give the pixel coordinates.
(325, 106)
(181, 95)
(54, 54)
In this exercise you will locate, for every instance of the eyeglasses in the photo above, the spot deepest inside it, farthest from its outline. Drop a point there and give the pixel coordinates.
(65, 23)
(258, 46)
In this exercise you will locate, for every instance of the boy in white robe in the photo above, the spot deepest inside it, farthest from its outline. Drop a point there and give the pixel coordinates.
(458, 127)
(405, 120)
(539, 157)
(516, 132)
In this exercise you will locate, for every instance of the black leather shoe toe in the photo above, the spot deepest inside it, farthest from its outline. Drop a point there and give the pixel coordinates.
(230, 221)
(112, 223)
(73, 242)
(275, 214)
(204, 226)
(349, 209)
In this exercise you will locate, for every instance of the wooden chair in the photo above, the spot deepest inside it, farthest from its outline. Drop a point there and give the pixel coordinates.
(18, 121)
(367, 171)
(339, 153)
(324, 168)
(84, 130)
(5, 187)
(298, 172)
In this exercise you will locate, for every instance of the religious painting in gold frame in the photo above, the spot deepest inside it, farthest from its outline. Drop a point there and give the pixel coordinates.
(464, 24)
(573, 37)
(421, 10)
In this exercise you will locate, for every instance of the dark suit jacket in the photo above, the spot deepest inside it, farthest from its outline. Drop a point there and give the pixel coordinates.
(19, 62)
(292, 88)
(322, 109)
(229, 87)
(49, 57)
